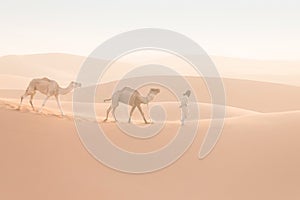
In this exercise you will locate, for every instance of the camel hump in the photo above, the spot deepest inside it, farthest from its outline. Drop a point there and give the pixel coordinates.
(46, 79)
(128, 89)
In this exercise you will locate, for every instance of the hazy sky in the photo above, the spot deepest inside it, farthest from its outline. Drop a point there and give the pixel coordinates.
(268, 29)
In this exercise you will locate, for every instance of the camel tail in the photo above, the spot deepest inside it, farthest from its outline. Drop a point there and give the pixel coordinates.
(105, 100)
(28, 89)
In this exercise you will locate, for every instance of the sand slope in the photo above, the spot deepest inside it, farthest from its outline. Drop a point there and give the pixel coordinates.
(64, 68)
(257, 157)
(244, 94)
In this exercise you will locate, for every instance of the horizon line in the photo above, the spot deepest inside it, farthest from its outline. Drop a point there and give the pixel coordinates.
(210, 55)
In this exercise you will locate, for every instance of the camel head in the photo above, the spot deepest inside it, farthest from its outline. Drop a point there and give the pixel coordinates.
(75, 84)
(152, 93)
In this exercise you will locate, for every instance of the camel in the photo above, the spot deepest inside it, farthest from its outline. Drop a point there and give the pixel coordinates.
(49, 88)
(130, 97)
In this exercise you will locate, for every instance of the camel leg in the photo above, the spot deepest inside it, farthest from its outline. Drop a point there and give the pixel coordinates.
(22, 97)
(30, 101)
(29, 91)
(114, 115)
(142, 113)
(59, 106)
(44, 103)
(107, 113)
(131, 111)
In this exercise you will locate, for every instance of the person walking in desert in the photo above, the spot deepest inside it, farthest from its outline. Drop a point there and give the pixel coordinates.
(184, 106)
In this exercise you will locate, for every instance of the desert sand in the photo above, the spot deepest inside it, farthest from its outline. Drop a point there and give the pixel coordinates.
(256, 157)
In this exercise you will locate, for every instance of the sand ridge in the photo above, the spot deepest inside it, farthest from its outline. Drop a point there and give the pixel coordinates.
(257, 156)
(47, 160)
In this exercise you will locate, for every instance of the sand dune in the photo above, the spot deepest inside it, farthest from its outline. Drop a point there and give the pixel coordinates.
(64, 68)
(205, 110)
(256, 158)
(244, 94)
(12, 82)
(17, 71)
(40, 64)
(283, 72)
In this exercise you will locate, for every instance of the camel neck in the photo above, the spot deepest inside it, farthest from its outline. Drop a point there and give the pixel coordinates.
(66, 90)
(148, 98)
